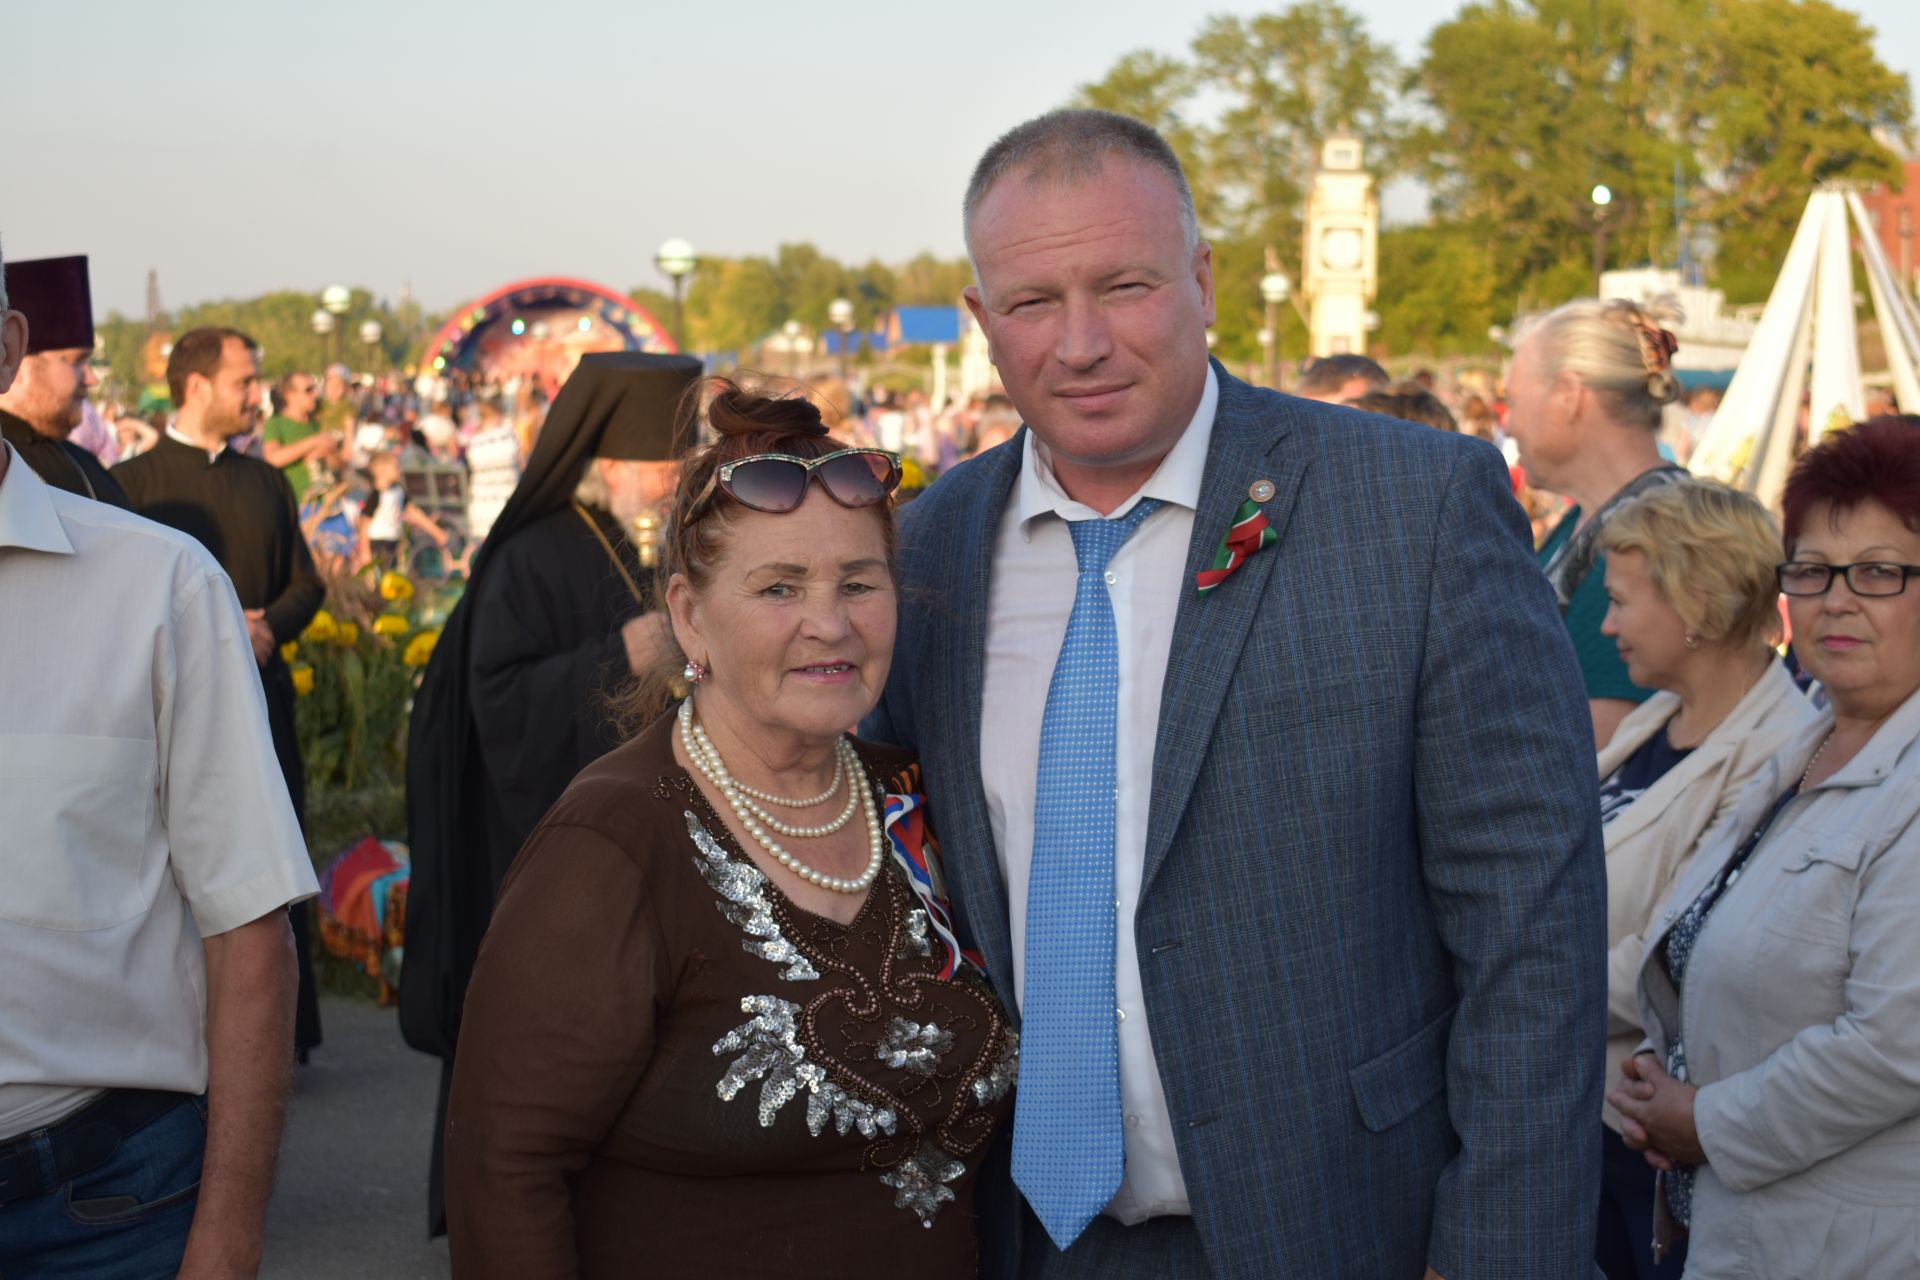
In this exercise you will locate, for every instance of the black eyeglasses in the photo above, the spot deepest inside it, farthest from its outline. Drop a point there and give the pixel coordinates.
(1867, 578)
(777, 482)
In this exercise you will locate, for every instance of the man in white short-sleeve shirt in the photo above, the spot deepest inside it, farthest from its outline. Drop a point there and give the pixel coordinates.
(147, 854)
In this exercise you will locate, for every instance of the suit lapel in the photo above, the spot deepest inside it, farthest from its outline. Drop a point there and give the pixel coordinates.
(977, 881)
(1210, 631)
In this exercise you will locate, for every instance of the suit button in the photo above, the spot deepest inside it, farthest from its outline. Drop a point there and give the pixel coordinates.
(1121, 1014)
(1133, 1122)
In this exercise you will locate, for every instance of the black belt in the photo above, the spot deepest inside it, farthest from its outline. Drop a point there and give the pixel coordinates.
(83, 1141)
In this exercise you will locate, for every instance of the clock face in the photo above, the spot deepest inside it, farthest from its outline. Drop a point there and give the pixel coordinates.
(1340, 248)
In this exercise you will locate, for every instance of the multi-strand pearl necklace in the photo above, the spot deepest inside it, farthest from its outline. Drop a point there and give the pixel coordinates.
(761, 824)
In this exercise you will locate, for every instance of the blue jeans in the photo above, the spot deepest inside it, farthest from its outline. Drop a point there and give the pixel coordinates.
(126, 1220)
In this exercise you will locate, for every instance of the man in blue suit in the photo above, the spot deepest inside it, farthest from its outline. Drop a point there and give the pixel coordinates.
(1296, 883)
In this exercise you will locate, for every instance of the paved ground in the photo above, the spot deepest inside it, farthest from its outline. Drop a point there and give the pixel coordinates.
(350, 1199)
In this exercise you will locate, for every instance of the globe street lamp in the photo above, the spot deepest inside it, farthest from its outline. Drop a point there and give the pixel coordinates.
(370, 337)
(338, 300)
(1602, 197)
(322, 323)
(840, 312)
(676, 261)
(792, 329)
(1274, 288)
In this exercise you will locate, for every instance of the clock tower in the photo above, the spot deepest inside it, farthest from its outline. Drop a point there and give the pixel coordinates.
(1340, 273)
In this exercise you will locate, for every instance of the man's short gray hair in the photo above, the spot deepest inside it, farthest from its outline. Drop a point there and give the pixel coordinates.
(1070, 145)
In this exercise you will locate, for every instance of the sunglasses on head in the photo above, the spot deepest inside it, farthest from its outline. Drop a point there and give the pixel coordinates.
(777, 482)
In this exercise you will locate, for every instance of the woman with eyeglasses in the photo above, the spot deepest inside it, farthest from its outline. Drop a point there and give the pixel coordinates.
(1693, 607)
(720, 1024)
(1779, 1089)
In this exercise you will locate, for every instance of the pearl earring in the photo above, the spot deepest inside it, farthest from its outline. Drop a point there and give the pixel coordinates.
(695, 672)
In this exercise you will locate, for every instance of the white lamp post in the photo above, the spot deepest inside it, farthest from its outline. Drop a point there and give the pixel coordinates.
(1602, 197)
(370, 338)
(792, 331)
(840, 312)
(676, 261)
(1275, 288)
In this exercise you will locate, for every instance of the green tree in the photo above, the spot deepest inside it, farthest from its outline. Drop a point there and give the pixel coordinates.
(734, 302)
(1796, 98)
(1290, 80)
(1748, 103)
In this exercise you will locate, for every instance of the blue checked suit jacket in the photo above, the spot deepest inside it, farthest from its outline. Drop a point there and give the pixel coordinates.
(1372, 921)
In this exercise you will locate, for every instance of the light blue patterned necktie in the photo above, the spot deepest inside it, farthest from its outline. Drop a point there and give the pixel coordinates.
(1068, 1148)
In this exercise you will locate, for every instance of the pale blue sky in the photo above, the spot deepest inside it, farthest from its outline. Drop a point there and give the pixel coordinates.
(240, 146)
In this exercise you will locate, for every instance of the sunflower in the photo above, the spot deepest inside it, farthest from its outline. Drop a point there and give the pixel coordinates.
(394, 586)
(391, 624)
(302, 680)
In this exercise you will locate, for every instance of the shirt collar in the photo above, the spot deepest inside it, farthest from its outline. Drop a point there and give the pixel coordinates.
(1175, 481)
(213, 455)
(27, 517)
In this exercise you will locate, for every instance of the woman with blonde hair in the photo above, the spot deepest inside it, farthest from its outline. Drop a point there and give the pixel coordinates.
(1693, 612)
(1586, 388)
(1779, 1088)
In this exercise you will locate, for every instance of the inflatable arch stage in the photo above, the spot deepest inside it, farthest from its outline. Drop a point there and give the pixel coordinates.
(539, 329)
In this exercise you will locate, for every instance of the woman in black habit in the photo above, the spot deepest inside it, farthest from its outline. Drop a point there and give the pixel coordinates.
(557, 614)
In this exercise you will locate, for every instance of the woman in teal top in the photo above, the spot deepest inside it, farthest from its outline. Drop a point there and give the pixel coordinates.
(1586, 388)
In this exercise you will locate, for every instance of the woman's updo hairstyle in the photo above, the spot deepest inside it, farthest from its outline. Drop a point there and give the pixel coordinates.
(1618, 349)
(737, 422)
(741, 422)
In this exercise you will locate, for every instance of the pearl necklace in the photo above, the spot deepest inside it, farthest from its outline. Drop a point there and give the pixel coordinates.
(708, 761)
(842, 755)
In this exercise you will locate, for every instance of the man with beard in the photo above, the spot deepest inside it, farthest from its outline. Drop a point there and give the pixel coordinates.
(44, 406)
(241, 509)
(560, 612)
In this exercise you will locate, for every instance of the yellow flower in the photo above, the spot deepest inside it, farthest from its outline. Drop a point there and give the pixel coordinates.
(349, 635)
(912, 475)
(303, 680)
(393, 586)
(288, 649)
(322, 629)
(420, 648)
(391, 624)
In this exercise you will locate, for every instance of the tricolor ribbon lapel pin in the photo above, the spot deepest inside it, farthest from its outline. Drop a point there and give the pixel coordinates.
(1249, 533)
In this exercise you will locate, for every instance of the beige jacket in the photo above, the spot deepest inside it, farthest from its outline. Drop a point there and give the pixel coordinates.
(1650, 841)
(1802, 1021)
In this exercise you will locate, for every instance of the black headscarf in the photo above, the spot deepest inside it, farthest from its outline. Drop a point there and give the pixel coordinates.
(621, 405)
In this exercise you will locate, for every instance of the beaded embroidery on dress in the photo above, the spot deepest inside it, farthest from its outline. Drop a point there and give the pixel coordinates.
(924, 1115)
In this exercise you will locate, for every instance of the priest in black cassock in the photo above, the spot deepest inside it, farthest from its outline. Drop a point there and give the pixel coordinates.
(558, 615)
(43, 406)
(242, 510)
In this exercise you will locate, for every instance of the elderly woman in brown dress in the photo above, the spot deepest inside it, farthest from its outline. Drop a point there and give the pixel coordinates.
(720, 1024)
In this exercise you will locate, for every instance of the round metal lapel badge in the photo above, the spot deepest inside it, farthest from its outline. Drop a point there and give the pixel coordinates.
(1260, 490)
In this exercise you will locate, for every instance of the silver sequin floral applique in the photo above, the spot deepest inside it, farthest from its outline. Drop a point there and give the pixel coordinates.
(913, 1048)
(914, 940)
(919, 1181)
(770, 1052)
(744, 890)
(993, 1086)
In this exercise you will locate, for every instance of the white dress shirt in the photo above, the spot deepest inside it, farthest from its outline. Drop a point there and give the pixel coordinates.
(141, 805)
(1028, 605)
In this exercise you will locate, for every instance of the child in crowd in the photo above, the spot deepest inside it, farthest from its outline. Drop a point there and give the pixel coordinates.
(382, 522)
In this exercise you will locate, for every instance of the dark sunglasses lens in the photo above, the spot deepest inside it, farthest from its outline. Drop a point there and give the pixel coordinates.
(860, 479)
(768, 484)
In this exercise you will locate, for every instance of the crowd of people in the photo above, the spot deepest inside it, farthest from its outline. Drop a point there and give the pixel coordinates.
(1260, 853)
